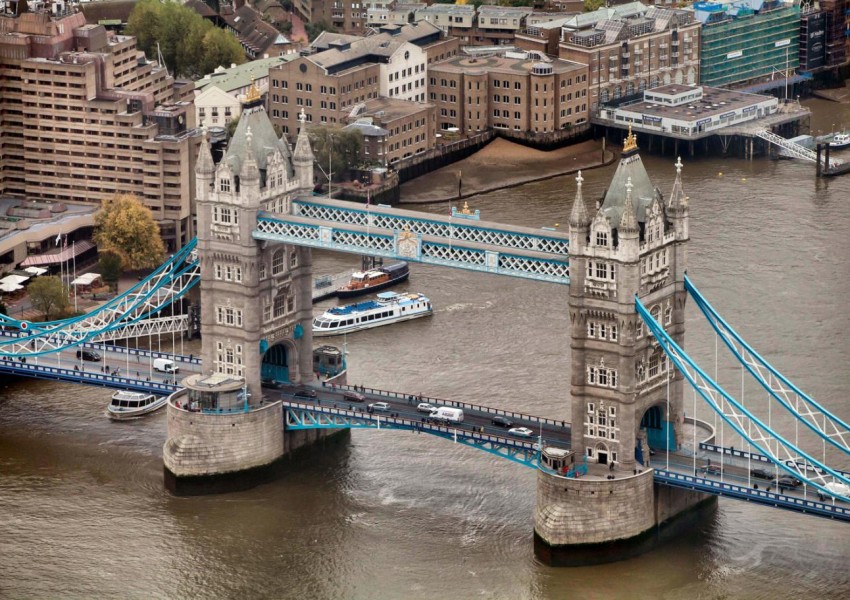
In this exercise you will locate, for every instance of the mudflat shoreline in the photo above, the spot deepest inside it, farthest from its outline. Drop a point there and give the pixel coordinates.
(502, 164)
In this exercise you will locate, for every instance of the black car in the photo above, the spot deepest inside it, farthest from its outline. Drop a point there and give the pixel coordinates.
(89, 355)
(272, 384)
(304, 393)
(787, 481)
(760, 474)
(502, 421)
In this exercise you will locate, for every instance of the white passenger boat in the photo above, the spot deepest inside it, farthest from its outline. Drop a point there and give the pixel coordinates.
(126, 405)
(389, 307)
(839, 141)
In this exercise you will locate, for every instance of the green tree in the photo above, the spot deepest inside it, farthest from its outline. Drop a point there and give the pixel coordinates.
(336, 149)
(314, 29)
(191, 46)
(110, 266)
(126, 227)
(48, 295)
(591, 5)
(231, 128)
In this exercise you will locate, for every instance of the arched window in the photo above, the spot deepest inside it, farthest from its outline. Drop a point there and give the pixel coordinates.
(277, 262)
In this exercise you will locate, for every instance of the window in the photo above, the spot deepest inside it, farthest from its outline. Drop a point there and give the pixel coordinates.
(225, 216)
(228, 358)
(601, 238)
(224, 184)
(277, 262)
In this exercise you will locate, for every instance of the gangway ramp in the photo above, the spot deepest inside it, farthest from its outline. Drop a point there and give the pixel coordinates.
(792, 148)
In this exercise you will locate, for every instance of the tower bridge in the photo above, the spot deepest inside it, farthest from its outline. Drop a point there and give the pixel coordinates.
(604, 490)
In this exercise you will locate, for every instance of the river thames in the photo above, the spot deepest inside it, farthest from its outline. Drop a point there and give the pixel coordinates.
(83, 512)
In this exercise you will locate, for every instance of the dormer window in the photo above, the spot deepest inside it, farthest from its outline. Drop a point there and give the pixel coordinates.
(224, 184)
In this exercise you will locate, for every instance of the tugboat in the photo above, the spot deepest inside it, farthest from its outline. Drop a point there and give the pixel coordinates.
(373, 278)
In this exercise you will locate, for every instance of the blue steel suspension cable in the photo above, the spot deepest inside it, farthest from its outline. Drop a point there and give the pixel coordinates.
(722, 328)
(685, 364)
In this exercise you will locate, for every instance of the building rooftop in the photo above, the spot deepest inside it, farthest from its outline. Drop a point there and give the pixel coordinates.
(238, 77)
(714, 102)
(466, 64)
(390, 109)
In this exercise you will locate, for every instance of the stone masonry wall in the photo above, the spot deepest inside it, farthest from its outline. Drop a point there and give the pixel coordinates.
(206, 444)
(583, 511)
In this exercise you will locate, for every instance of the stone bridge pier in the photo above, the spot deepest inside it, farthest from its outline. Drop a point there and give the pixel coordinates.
(626, 399)
(256, 314)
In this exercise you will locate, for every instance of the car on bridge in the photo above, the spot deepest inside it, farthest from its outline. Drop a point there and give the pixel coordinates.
(501, 421)
(789, 482)
(711, 470)
(425, 407)
(521, 431)
(272, 384)
(89, 355)
(380, 406)
(304, 393)
(350, 396)
(760, 474)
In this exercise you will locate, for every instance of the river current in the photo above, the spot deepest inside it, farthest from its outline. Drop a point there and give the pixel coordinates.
(83, 512)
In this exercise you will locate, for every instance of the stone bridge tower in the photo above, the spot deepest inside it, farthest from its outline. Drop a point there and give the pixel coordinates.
(625, 396)
(256, 311)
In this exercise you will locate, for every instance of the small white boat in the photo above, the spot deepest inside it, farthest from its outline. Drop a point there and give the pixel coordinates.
(389, 307)
(840, 140)
(126, 405)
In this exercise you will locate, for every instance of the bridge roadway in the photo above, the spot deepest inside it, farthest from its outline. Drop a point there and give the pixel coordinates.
(121, 368)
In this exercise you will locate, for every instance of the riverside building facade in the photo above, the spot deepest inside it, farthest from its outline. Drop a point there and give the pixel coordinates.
(84, 115)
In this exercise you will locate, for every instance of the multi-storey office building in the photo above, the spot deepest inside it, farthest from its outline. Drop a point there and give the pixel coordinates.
(395, 129)
(83, 116)
(346, 71)
(519, 94)
(633, 47)
(742, 44)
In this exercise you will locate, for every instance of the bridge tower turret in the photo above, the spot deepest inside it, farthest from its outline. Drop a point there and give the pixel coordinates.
(256, 312)
(625, 396)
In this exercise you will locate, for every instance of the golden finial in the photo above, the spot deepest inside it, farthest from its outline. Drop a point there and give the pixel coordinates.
(253, 92)
(466, 210)
(630, 142)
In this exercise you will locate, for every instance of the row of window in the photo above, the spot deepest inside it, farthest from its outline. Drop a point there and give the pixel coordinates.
(227, 315)
(227, 272)
(228, 359)
(601, 270)
(213, 111)
(602, 331)
(223, 215)
(602, 376)
(602, 422)
(283, 304)
(655, 261)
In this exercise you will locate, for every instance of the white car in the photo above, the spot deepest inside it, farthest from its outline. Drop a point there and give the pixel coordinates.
(426, 408)
(521, 431)
(382, 406)
(836, 487)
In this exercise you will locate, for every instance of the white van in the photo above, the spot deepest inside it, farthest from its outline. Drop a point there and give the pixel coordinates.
(165, 365)
(446, 413)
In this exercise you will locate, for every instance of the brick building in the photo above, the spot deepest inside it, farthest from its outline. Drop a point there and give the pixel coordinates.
(633, 47)
(512, 92)
(84, 115)
(346, 71)
(395, 129)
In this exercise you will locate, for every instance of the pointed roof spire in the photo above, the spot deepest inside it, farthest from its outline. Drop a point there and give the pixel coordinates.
(678, 200)
(303, 150)
(205, 164)
(628, 222)
(579, 216)
(630, 143)
(250, 170)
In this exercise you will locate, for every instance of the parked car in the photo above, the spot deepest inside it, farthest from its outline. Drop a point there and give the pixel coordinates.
(502, 421)
(425, 407)
(521, 431)
(89, 355)
(381, 406)
(760, 474)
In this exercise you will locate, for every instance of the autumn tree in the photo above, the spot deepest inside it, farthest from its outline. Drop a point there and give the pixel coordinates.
(591, 5)
(336, 149)
(48, 295)
(126, 227)
(315, 29)
(190, 45)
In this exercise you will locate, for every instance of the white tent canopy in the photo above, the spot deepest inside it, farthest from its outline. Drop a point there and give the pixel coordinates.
(35, 271)
(8, 286)
(15, 279)
(86, 279)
